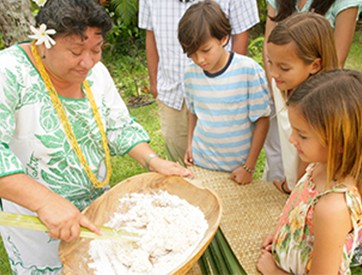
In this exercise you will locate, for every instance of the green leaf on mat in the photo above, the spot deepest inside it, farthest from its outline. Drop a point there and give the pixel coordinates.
(219, 258)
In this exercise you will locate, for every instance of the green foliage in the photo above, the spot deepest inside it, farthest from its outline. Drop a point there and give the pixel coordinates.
(130, 71)
(353, 61)
(125, 10)
(125, 34)
(255, 49)
(263, 13)
(220, 258)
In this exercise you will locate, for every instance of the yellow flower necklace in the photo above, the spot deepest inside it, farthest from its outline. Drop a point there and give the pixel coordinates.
(68, 128)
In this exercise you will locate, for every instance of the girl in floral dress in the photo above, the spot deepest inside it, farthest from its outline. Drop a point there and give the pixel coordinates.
(320, 230)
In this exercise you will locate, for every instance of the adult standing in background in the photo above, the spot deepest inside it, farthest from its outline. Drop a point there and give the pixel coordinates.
(166, 60)
(342, 15)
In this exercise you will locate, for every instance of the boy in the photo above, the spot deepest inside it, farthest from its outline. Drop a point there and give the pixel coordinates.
(226, 94)
(166, 62)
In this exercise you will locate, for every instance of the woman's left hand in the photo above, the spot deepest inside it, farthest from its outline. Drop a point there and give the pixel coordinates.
(168, 168)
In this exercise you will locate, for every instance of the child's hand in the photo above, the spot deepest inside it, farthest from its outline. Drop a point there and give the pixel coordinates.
(241, 176)
(188, 157)
(266, 264)
(267, 243)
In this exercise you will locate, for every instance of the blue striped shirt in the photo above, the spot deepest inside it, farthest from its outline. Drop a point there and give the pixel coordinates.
(227, 107)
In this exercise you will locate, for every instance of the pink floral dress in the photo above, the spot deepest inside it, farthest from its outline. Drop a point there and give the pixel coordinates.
(294, 237)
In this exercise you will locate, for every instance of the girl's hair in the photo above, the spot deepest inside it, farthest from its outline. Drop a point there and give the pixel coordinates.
(331, 103)
(286, 8)
(312, 36)
(69, 17)
(202, 21)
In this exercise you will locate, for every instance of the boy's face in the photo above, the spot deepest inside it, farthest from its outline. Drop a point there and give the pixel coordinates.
(211, 56)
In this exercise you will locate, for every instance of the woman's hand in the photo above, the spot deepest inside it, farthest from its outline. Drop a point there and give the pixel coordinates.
(63, 219)
(168, 168)
(241, 176)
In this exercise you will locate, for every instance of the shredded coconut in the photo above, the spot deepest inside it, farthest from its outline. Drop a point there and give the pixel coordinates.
(170, 228)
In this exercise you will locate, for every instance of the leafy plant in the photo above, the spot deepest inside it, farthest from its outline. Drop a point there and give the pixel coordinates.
(125, 9)
(125, 32)
(255, 49)
(263, 12)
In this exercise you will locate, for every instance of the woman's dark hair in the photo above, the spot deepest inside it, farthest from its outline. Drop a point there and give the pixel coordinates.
(287, 7)
(69, 17)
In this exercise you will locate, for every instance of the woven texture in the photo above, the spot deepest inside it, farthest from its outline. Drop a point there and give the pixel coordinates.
(249, 213)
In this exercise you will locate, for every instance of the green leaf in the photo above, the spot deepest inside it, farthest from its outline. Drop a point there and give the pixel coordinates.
(232, 262)
(220, 258)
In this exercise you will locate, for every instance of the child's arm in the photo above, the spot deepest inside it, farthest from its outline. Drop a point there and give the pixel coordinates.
(190, 134)
(332, 223)
(240, 174)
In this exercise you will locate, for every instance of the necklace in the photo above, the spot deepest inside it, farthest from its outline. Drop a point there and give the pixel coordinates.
(68, 128)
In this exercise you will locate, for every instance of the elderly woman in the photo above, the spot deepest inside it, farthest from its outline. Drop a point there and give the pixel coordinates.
(61, 119)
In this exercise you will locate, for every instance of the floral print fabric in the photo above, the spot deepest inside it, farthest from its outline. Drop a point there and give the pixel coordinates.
(32, 141)
(293, 239)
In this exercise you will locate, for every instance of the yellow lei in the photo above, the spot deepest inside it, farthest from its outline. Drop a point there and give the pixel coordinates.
(68, 128)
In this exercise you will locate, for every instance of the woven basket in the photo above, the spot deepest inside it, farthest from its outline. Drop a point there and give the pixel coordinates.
(75, 257)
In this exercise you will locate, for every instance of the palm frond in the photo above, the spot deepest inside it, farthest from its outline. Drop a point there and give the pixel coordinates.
(219, 258)
(125, 9)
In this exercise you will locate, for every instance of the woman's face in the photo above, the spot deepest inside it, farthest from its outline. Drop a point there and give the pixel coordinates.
(72, 57)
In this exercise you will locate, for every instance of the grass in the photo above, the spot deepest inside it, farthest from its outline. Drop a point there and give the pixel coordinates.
(355, 54)
(135, 82)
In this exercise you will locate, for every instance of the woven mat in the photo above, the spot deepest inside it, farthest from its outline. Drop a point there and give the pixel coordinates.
(249, 213)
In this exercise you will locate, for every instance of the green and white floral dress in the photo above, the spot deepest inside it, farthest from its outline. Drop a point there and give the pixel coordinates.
(33, 142)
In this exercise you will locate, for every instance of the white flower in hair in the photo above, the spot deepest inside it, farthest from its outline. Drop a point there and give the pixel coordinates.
(40, 3)
(42, 35)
